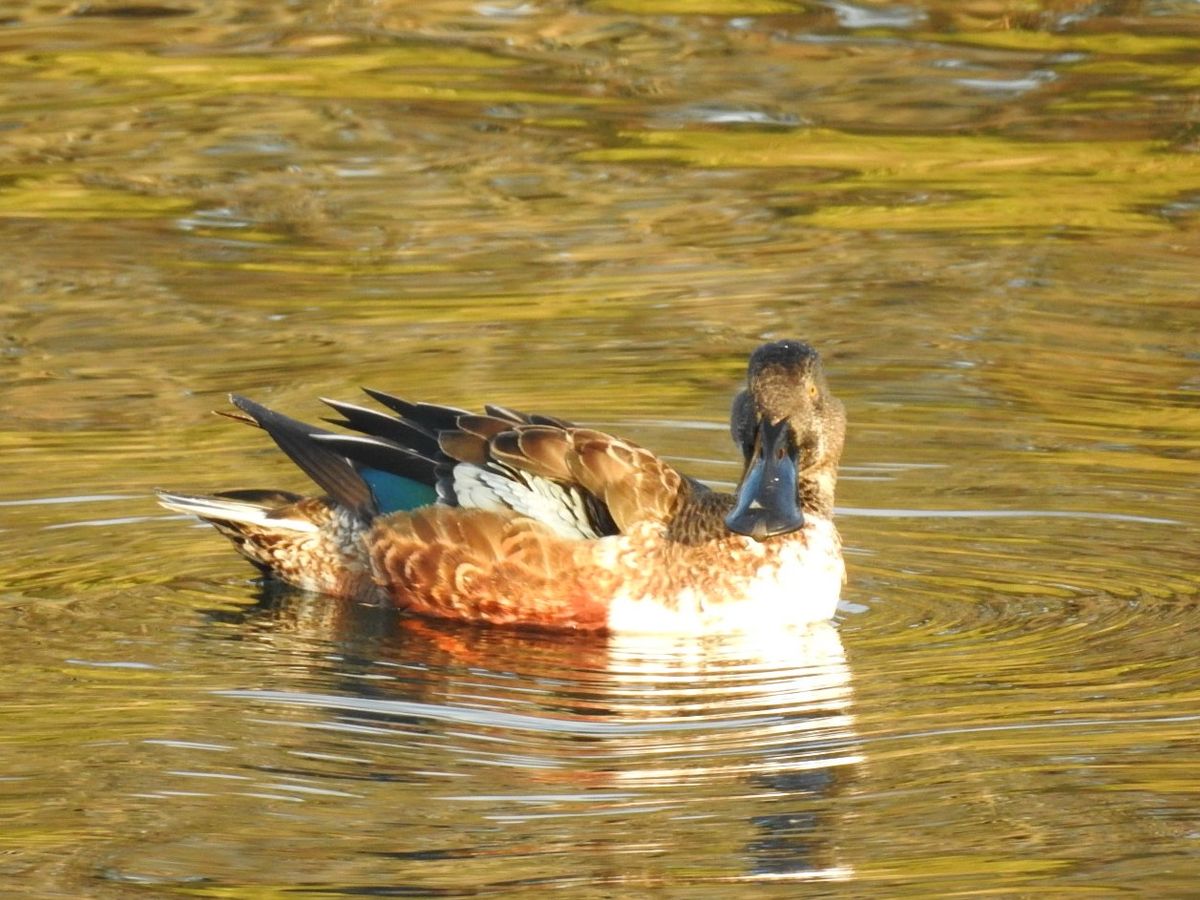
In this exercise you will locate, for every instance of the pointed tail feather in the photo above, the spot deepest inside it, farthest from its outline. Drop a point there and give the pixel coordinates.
(255, 509)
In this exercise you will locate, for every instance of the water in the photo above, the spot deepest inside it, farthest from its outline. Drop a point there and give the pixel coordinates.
(985, 216)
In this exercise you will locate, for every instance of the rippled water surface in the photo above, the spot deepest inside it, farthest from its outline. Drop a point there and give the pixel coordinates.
(985, 214)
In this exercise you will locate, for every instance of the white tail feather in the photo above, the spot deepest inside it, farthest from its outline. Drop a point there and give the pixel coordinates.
(224, 509)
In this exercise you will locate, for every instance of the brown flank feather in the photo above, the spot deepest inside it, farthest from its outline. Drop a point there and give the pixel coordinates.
(461, 563)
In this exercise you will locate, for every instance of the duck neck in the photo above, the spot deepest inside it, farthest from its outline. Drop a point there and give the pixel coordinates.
(816, 489)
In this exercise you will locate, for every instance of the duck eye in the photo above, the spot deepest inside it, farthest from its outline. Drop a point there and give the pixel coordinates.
(812, 391)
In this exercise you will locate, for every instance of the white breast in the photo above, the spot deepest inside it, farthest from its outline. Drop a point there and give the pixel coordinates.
(794, 584)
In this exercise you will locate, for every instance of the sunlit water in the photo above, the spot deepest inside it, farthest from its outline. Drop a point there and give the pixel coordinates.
(985, 216)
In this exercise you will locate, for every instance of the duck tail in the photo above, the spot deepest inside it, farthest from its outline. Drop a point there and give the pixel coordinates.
(311, 543)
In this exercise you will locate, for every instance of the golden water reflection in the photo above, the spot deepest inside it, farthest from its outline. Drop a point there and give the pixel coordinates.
(529, 751)
(983, 213)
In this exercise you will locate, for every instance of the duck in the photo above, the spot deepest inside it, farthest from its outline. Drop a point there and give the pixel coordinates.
(506, 518)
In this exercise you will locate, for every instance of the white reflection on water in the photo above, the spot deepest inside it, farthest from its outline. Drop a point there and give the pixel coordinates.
(656, 734)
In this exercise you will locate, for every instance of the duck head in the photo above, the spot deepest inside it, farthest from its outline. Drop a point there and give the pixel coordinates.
(790, 430)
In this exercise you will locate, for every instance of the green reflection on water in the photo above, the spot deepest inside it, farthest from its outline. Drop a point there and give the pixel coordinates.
(55, 197)
(1105, 44)
(988, 183)
(416, 72)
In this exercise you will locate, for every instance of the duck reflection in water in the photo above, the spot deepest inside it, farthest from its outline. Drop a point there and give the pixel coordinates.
(724, 755)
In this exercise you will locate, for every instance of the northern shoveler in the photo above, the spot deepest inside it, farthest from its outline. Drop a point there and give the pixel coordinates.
(518, 519)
